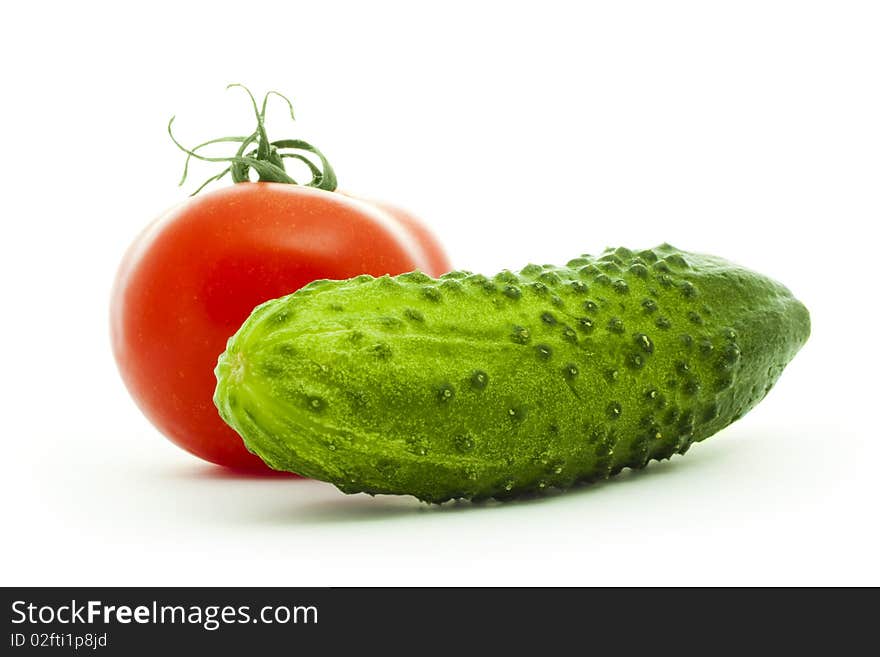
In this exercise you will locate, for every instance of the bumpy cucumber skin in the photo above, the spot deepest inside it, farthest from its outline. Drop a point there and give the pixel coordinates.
(475, 387)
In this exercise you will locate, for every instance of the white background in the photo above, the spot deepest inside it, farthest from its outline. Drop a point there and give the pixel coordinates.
(521, 132)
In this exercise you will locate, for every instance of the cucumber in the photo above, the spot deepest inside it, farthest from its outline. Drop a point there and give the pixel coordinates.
(474, 387)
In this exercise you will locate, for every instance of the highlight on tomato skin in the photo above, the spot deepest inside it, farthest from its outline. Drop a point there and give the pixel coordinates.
(194, 275)
(435, 257)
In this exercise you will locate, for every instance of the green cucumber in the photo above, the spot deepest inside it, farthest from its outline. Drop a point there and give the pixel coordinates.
(474, 387)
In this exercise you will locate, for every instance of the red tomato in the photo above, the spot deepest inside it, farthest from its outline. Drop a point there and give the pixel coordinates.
(194, 275)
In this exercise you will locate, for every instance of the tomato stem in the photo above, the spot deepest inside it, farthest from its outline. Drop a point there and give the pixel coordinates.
(265, 157)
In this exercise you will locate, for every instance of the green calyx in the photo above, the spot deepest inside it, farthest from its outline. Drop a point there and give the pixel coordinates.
(265, 157)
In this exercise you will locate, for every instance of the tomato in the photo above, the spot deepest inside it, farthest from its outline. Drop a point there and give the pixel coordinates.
(194, 275)
(435, 257)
